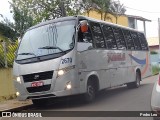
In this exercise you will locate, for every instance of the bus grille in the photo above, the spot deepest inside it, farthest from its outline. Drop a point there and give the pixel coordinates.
(39, 89)
(38, 76)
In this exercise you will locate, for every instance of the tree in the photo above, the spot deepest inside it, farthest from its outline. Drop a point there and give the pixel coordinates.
(7, 28)
(27, 13)
(21, 15)
(117, 9)
(87, 6)
(7, 32)
(103, 8)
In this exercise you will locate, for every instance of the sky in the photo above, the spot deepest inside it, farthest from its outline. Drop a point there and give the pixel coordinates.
(5, 9)
(146, 8)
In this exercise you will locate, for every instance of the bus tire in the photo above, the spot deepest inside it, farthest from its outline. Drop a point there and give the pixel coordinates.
(135, 84)
(39, 102)
(91, 92)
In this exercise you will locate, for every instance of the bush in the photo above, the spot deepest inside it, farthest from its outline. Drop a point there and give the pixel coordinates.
(155, 69)
(153, 52)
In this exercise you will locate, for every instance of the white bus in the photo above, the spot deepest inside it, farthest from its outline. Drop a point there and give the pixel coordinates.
(78, 55)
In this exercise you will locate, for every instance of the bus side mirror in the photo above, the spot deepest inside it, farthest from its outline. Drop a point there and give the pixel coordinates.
(83, 26)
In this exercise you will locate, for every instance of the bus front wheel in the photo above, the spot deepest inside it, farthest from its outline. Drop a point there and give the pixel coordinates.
(91, 92)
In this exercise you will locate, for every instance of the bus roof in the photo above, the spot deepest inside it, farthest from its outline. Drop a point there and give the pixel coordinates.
(54, 20)
(81, 17)
(109, 23)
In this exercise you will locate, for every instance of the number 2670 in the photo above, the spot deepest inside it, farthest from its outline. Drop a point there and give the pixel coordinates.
(66, 60)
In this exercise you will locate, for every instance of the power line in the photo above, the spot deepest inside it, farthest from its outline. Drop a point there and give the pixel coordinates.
(142, 10)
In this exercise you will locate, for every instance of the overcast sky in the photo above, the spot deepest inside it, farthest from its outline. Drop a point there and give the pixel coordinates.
(5, 9)
(150, 6)
(148, 9)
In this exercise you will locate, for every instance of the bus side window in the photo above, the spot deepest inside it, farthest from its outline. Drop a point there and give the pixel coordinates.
(136, 40)
(129, 40)
(85, 37)
(119, 38)
(109, 37)
(97, 35)
(143, 41)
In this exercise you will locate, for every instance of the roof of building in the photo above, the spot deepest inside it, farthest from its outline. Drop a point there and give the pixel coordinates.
(138, 18)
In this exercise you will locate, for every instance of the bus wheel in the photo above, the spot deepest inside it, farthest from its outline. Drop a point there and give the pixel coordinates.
(39, 102)
(135, 84)
(91, 92)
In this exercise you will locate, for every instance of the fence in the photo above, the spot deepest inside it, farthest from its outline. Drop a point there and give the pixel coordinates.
(7, 53)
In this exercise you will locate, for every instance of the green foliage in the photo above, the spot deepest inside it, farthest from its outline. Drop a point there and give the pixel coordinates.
(86, 6)
(117, 9)
(155, 69)
(102, 6)
(21, 15)
(27, 13)
(153, 52)
(7, 31)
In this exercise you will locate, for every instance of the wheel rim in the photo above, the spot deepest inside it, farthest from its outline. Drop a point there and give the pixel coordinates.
(138, 80)
(90, 91)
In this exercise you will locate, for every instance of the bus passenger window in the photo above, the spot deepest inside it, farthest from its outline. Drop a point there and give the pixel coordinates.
(128, 39)
(136, 40)
(97, 35)
(85, 37)
(143, 41)
(109, 37)
(119, 38)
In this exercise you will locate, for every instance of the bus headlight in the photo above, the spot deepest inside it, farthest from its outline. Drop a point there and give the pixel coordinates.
(64, 70)
(60, 72)
(17, 94)
(18, 79)
(68, 85)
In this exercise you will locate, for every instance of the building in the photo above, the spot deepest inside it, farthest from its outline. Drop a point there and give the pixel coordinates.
(132, 21)
(153, 43)
(124, 20)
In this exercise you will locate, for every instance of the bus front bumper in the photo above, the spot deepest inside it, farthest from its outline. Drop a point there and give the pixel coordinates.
(23, 94)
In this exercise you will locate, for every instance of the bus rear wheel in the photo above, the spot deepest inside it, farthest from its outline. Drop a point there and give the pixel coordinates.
(135, 84)
(91, 92)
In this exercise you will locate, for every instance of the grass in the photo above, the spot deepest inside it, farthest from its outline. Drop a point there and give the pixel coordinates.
(9, 97)
(155, 69)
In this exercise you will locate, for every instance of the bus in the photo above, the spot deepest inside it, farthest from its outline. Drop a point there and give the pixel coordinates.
(78, 55)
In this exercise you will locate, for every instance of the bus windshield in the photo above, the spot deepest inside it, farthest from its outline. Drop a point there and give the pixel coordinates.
(46, 40)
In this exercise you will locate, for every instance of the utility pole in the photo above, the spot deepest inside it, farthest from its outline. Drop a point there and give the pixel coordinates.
(62, 8)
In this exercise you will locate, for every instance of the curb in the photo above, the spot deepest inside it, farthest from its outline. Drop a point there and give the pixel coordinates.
(18, 109)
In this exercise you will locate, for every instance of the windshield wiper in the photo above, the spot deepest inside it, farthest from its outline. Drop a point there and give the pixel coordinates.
(29, 54)
(51, 47)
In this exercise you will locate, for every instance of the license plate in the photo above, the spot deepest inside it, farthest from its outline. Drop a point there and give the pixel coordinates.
(37, 84)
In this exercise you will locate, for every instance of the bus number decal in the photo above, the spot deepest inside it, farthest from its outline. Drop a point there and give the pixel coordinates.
(66, 60)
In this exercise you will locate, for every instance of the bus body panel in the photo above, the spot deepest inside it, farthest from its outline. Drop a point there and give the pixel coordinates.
(57, 84)
(141, 60)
